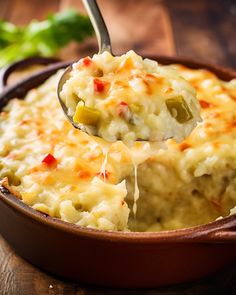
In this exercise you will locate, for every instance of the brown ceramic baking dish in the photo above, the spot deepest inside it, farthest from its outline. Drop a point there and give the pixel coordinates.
(115, 259)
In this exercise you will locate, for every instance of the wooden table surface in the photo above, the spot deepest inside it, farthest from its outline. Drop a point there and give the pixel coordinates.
(203, 29)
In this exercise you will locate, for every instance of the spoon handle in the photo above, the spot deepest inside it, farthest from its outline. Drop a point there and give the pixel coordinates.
(99, 25)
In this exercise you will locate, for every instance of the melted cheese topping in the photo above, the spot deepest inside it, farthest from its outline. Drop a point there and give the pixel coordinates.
(183, 185)
(128, 98)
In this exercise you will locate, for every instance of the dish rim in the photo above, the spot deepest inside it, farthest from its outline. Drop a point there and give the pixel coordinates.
(223, 230)
(204, 232)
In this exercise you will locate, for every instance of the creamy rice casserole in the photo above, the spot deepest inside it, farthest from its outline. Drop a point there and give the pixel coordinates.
(130, 98)
(68, 174)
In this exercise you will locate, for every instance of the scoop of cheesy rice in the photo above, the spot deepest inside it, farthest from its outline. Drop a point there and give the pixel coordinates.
(82, 179)
(128, 98)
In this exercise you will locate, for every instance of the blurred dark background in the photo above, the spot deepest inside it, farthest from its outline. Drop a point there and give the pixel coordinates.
(203, 29)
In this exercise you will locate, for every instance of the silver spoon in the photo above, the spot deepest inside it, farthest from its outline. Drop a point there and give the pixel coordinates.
(104, 44)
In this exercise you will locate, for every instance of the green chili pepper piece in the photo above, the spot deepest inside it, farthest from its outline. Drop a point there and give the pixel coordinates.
(86, 115)
(179, 109)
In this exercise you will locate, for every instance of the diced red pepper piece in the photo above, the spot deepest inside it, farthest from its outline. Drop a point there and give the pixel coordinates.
(104, 174)
(49, 160)
(123, 103)
(123, 110)
(87, 61)
(204, 104)
(99, 85)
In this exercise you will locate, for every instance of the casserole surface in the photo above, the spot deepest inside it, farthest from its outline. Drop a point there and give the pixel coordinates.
(184, 185)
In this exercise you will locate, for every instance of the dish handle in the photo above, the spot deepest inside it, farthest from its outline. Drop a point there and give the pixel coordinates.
(225, 232)
(20, 88)
(7, 71)
(224, 235)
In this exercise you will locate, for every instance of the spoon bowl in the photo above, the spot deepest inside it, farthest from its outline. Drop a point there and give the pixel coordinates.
(65, 76)
(175, 110)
